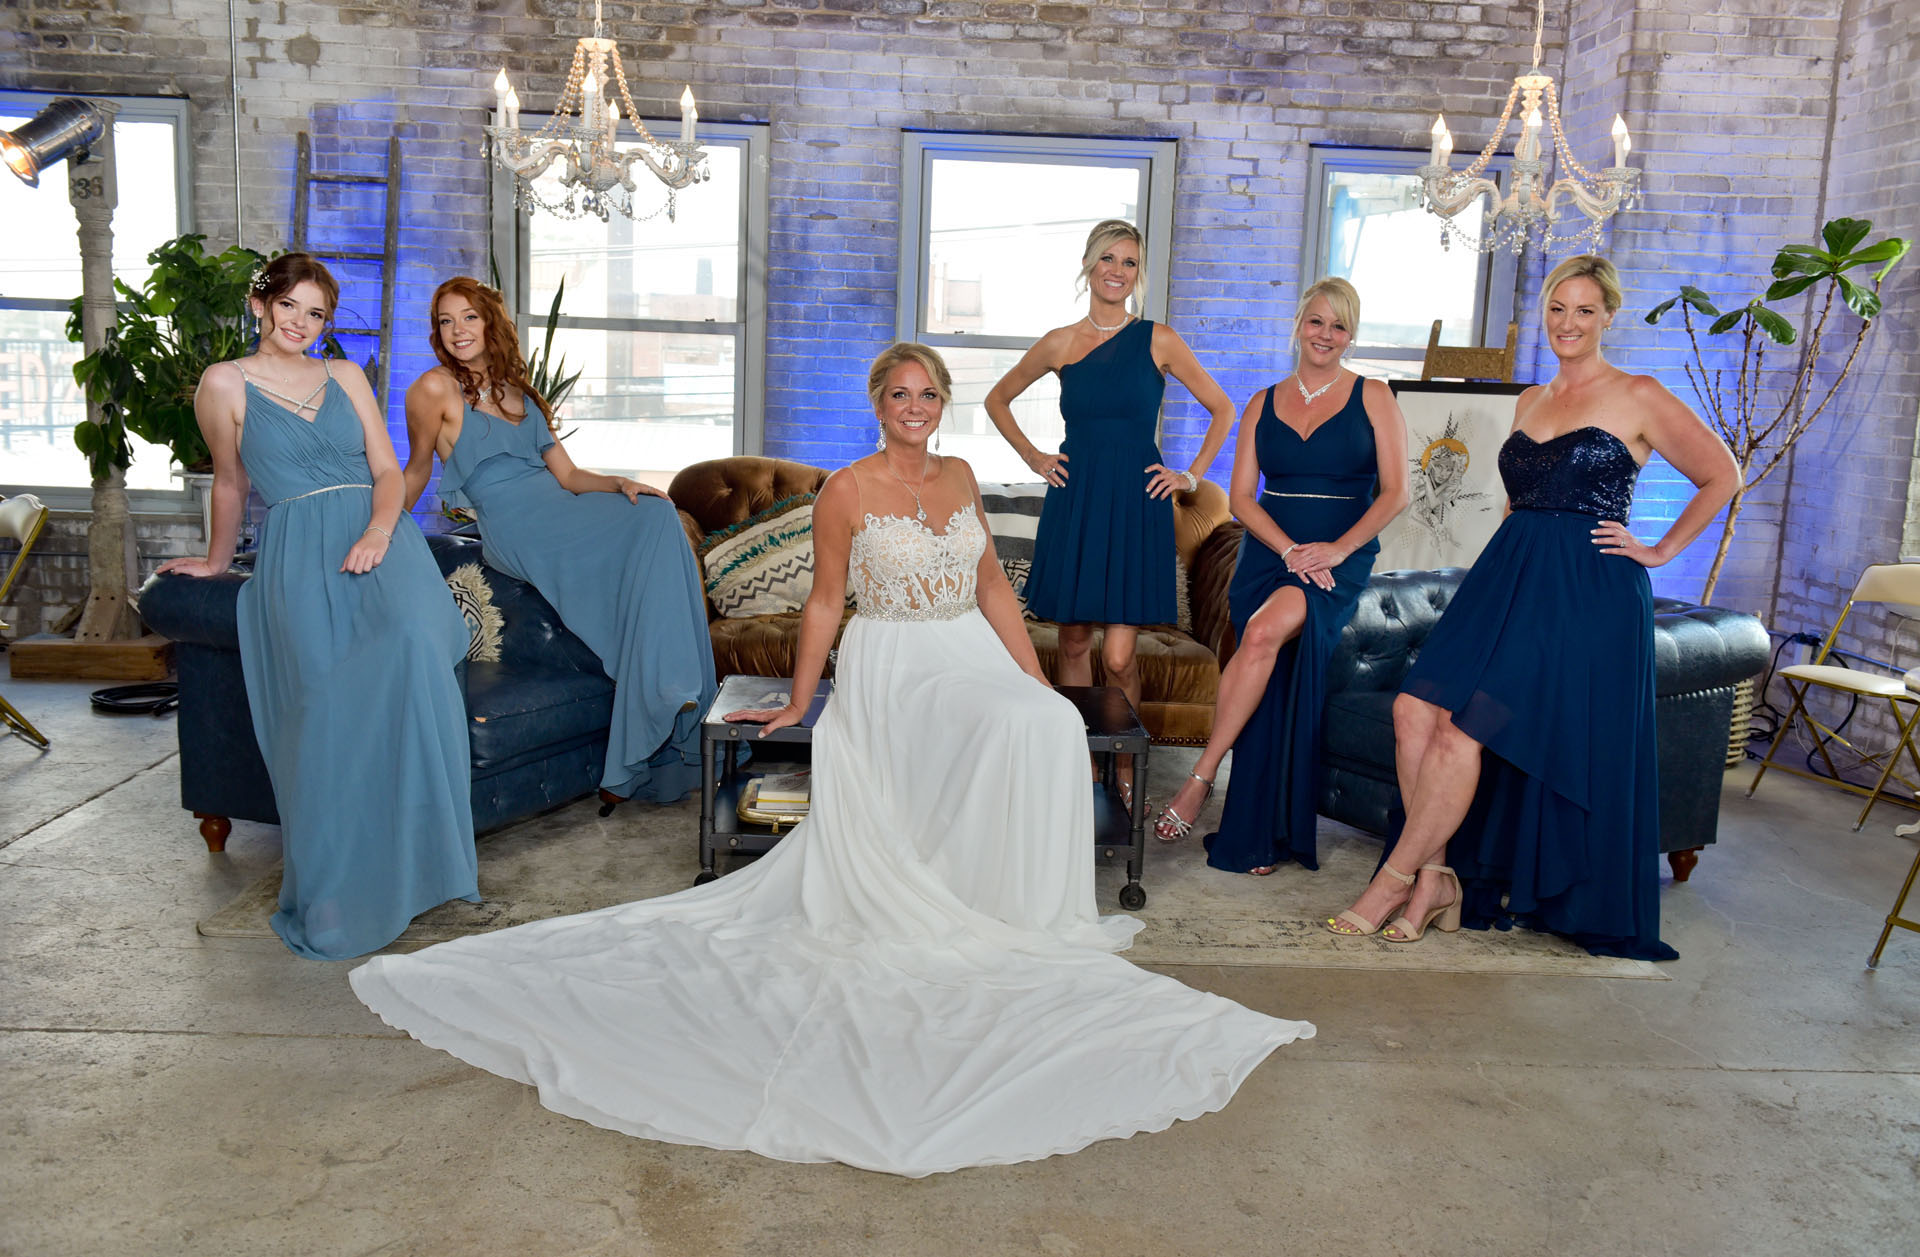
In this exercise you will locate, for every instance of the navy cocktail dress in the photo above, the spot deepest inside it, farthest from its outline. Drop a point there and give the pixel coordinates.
(1103, 550)
(1545, 658)
(356, 704)
(624, 581)
(1315, 490)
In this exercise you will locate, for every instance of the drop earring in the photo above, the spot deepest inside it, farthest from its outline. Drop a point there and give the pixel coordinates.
(936, 440)
(880, 440)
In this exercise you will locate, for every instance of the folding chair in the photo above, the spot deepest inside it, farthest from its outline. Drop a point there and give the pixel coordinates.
(1896, 583)
(1893, 916)
(21, 519)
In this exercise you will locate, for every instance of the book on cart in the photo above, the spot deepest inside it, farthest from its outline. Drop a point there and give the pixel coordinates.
(776, 799)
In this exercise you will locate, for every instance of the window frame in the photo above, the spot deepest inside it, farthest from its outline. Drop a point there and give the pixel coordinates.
(919, 149)
(512, 239)
(1496, 300)
(179, 111)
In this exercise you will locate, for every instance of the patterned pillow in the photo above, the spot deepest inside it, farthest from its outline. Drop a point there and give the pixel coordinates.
(1013, 514)
(474, 597)
(762, 565)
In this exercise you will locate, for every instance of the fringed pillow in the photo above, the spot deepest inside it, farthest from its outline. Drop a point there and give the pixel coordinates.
(762, 565)
(474, 597)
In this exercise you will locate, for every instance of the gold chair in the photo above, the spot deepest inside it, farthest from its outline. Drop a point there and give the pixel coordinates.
(21, 519)
(1454, 362)
(1894, 583)
(1893, 916)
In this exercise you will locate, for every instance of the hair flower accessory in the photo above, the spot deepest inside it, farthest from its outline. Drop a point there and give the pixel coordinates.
(257, 282)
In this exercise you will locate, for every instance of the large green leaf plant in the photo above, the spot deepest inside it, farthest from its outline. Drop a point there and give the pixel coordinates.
(1760, 408)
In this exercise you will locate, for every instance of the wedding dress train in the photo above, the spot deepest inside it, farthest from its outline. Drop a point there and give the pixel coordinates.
(915, 980)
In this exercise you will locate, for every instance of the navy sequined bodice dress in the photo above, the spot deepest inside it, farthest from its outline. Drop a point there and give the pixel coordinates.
(1103, 551)
(1545, 657)
(1315, 489)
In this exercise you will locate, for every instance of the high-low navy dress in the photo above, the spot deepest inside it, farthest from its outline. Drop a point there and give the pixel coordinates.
(1315, 490)
(1545, 658)
(624, 581)
(1103, 550)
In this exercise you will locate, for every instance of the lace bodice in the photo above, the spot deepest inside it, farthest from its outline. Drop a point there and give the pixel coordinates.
(900, 569)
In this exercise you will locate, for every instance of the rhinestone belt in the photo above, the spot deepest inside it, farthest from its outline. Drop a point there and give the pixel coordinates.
(312, 492)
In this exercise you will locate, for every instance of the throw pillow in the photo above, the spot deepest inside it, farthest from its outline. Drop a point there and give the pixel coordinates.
(1013, 516)
(474, 597)
(762, 565)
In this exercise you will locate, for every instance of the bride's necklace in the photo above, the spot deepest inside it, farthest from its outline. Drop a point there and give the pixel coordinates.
(1101, 327)
(919, 511)
(1307, 397)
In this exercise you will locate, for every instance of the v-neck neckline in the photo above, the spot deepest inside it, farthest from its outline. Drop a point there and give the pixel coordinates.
(1318, 427)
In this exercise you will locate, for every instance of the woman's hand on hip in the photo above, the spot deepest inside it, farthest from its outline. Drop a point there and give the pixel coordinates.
(1051, 468)
(1613, 538)
(366, 553)
(1164, 481)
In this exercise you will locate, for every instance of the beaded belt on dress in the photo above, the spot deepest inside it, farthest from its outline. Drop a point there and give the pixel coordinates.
(1324, 497)
(311, 492)
(948, 611)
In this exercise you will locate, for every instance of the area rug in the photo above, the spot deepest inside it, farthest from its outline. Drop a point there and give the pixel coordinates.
(571, 860)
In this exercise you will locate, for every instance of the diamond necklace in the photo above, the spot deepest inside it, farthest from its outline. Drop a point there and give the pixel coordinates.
(919, 511)
(1101, 327)
(1307, 397)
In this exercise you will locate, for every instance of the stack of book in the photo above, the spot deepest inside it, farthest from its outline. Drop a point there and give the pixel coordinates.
(784, 793)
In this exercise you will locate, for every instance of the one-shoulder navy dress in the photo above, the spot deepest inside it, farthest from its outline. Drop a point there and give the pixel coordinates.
(623, 579)
(1315, 490)
(1103, 550)
(1545, 658)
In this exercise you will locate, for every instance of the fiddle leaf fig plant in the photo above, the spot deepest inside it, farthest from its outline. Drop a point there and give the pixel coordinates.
(1761, 408)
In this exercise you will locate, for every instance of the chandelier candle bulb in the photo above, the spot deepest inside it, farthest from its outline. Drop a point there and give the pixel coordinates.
(500, 89)
(688, 115)
(1442, 142)
(1622, 142)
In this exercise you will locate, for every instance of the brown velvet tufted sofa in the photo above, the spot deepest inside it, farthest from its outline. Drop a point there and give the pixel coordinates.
(1179, 672)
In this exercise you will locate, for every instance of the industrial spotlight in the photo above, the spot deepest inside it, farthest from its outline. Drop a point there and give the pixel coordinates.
(64, 128)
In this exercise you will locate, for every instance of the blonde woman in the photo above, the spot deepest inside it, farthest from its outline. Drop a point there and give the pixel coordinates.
(1103, 553)
(1331, 448)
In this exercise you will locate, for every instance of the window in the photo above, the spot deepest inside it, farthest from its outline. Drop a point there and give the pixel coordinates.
(664, 319)
(1366, 225)
(991, 233)
(40, 276)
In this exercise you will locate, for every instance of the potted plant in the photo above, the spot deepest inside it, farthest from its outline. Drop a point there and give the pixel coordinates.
(1760, 409)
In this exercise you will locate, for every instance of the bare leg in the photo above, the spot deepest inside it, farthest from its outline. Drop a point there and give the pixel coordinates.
(1118, 657)
(1242, 685)
(1445, 776)
(1075, 665)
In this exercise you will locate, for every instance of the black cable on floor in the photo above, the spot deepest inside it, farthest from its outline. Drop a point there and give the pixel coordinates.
(155, 697)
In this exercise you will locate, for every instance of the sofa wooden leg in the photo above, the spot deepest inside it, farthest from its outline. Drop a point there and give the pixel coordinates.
(215, 830)
(1683, 862)
(609, 800)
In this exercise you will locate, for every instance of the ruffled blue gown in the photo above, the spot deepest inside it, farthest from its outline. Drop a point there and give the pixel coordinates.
(1315, 490)
(1545, 658)
(356, 705)
(624, 581)
(1103, 550)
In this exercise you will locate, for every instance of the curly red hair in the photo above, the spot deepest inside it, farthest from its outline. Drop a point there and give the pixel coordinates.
(506, 369)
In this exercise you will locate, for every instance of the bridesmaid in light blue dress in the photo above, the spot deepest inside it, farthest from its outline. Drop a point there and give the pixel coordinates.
(349, 639)
(608, 552)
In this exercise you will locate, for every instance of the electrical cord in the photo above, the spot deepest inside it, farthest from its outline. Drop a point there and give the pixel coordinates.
(154, 697)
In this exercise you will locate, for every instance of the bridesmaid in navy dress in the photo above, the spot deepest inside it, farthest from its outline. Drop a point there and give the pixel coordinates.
(1103, 552)
(1332, 449)
(348, 636)
(607, 551)
(1525, 730)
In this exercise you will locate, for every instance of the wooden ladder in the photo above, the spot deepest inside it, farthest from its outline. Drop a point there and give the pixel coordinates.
(305, 177)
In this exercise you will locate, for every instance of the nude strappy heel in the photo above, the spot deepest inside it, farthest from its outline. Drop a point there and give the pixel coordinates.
(1446, 916)
(1359, 926)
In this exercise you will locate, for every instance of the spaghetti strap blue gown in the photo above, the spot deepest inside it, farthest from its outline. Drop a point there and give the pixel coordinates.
(624, 581)
(1103, 550)
(1315, 490)
(356, 704)
(1545, 658)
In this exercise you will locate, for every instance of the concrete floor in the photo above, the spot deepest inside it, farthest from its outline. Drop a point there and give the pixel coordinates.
(165, 1093)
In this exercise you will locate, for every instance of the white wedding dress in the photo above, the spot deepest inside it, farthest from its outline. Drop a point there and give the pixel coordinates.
(914, 980)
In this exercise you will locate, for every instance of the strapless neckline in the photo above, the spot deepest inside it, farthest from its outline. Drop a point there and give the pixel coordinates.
(1585, 427)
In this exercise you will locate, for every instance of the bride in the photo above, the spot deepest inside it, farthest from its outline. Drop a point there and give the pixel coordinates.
(915, 979)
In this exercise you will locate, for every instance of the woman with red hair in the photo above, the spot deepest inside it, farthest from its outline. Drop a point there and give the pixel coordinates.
(607, 551)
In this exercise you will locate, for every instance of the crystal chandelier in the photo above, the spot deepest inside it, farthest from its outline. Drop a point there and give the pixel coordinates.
(1529, 206)
(595, 173)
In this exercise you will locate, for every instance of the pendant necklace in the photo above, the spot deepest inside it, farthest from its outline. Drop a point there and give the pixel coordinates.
(1308, 398)
(919, 511)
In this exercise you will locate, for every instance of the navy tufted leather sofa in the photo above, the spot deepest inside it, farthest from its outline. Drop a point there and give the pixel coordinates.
(537, 718)
(1700, 655)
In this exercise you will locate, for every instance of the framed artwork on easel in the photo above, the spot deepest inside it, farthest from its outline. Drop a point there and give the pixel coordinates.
(1455, 498)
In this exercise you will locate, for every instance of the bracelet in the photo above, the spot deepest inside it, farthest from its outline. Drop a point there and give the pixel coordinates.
(376, 528)
(1289, 550)
(1193, 481)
